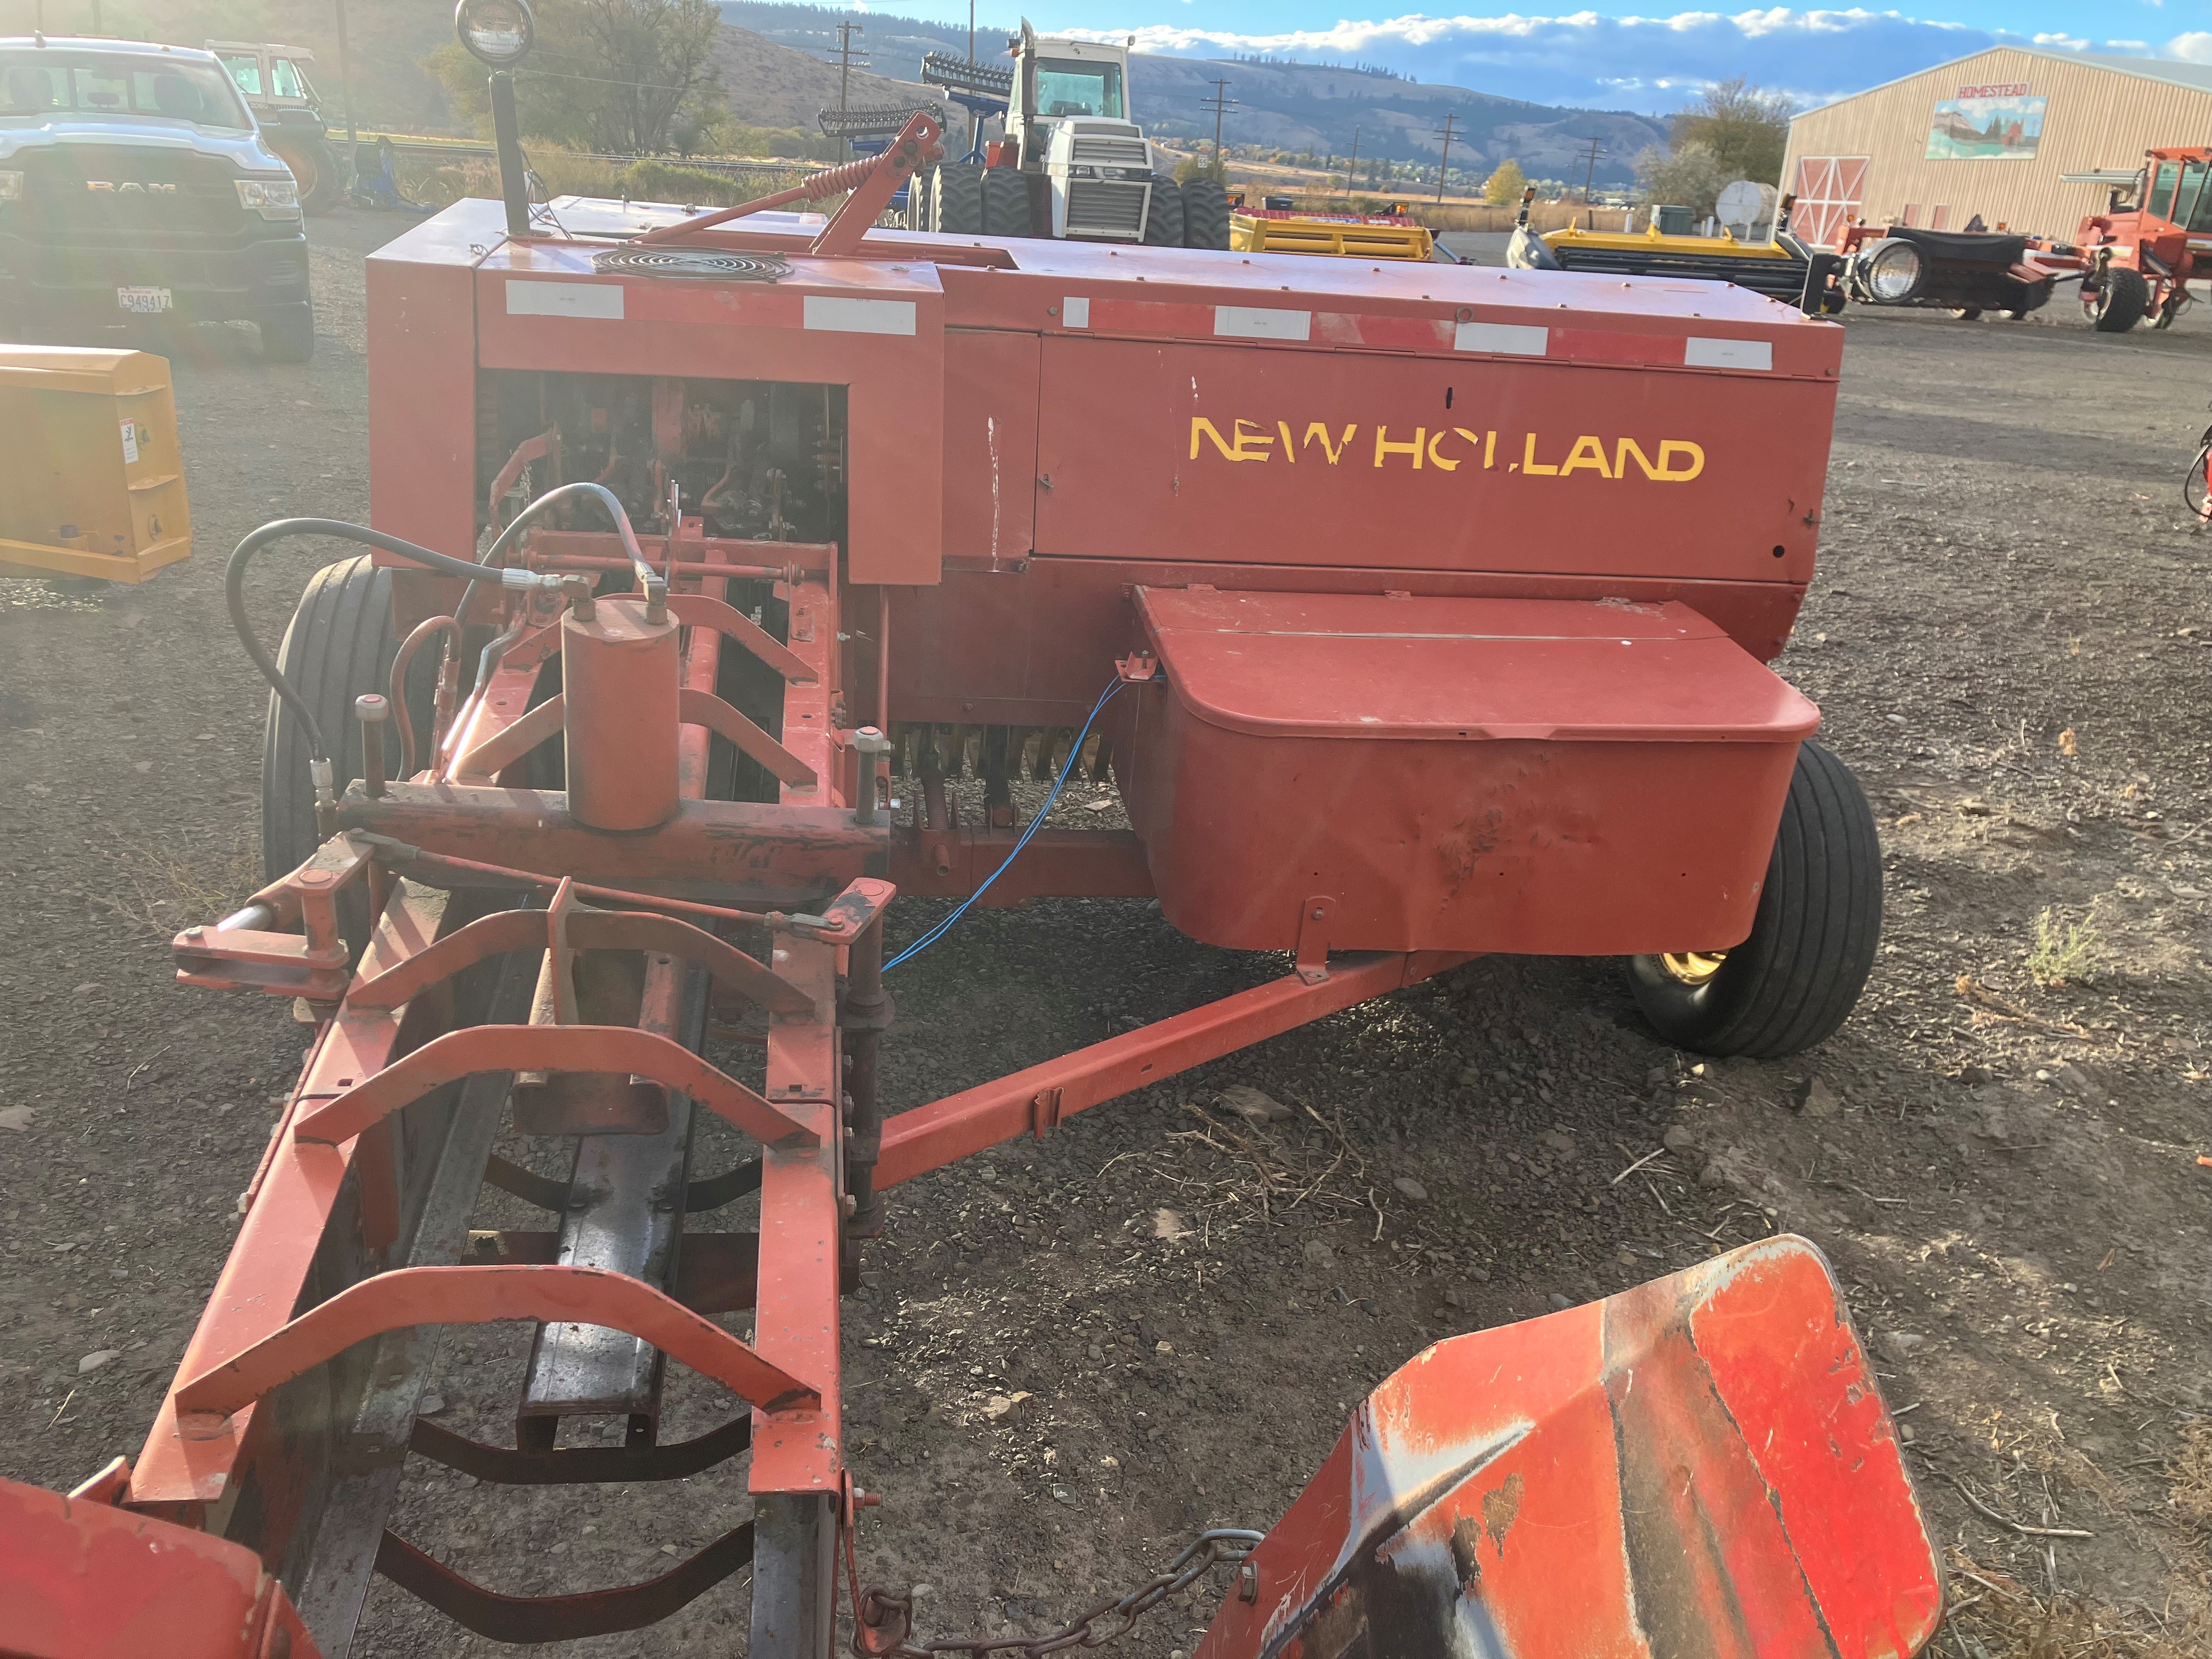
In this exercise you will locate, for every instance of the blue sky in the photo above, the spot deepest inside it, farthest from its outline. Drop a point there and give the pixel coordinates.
(1651, 59)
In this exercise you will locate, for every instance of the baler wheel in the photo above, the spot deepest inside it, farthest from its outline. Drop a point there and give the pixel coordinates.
(338, 646)
(1005, 203)
(957, 191)
(1812, 945)
(1165, 220)
(2122, 299)
(1206, 214)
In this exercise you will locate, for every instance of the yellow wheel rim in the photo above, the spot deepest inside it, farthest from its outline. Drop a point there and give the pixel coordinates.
(1693, 967)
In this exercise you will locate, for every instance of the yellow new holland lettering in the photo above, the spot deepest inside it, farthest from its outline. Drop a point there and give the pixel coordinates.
(1529, 462)
(1383, 445)
(1317, 431)
(1587, 453)
(1252, 446)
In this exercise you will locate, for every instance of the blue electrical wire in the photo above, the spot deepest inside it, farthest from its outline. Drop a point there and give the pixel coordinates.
(1035, 822)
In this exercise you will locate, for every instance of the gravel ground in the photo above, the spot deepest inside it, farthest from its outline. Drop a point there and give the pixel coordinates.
(1069, 1353)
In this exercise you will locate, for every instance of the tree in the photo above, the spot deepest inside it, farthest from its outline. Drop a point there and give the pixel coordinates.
(1506, 184)
(627, 77)
(1745, 129)
(1688, 175)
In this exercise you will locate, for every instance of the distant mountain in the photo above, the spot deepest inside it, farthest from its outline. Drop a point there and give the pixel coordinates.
(771, 84)
(1284, 105)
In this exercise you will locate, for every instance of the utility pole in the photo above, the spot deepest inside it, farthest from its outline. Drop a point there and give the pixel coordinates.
(1447, 134)
(345, 92)
(1220, 102)
(845, 33)
(1590, 172)
(1351, 167)
(971, 31)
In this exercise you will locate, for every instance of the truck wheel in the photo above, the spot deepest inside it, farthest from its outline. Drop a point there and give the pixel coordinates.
(314, 169)
(1005, 203)
(958, 197)
(338, 646)
(1812, 945)
(2122, 299)
(1164, 220)
(1206, 214)
(288, 336)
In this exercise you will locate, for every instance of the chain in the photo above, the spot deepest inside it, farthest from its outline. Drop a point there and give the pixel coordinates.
(882, 1621)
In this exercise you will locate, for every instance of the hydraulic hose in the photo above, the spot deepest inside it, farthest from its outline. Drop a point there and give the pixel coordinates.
(489, 569)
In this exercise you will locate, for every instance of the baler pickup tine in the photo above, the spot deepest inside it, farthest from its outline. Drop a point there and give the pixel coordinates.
(477, 1295)
(549, 1048)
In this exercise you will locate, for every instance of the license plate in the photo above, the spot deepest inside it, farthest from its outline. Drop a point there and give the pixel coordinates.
(144, 301)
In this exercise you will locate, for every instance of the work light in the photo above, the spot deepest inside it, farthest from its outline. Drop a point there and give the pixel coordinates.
(1891, 271)
(497, 31)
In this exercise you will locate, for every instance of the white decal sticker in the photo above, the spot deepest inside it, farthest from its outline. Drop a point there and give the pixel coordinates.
(1514, 339)
(529, 299)
(130, 442)
(1251, 323)
(841, 316)
(1075, 312)
(1727, 354)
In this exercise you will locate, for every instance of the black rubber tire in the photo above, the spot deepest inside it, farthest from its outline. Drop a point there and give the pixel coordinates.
(958, 203)
(338, 646)
(1005, 203)
(1968, 315)
(1164, 219)
(289, 337)
(1812, 946)
(1206, 214)
(314, 168)
(2122, 299)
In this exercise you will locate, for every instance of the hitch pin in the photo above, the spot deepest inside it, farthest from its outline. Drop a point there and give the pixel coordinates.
(372, 710)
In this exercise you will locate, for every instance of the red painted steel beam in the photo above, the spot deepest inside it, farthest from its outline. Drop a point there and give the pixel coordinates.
(929, 1136)
(705, 610)
(475, 1048)
(587, 930)
(710, 847)
(705, 708)
(477, 1295)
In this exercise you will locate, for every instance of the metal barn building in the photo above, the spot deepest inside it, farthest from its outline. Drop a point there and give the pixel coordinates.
(1991, 135)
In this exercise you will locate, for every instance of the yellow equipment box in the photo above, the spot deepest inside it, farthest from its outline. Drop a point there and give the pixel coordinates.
(1350, 237)
(92, 482)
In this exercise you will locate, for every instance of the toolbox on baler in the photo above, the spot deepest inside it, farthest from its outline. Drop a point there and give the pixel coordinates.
(1382, 772)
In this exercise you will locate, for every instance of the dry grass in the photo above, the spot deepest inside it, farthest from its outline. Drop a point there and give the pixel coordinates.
(2191, 1472)
(1994, 1616)
(162, 889)
(438, 182)
(2065, 952)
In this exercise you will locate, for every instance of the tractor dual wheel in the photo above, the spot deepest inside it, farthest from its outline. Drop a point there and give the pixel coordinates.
(1164, 219)
(2120, 300)
(1206, 214)
(1005, 203)
(955, 199)
(1812, 945)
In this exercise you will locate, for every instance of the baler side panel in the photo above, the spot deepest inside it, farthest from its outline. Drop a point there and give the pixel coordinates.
(1176, 450)
(421, 380)
(990, 445)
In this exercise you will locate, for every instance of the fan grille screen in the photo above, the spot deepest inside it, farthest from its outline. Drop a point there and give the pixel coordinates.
(694, 263)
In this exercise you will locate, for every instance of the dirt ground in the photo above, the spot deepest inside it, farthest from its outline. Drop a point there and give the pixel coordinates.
(1069, 1354)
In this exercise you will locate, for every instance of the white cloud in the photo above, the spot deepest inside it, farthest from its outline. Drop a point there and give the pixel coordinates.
(1641, 62)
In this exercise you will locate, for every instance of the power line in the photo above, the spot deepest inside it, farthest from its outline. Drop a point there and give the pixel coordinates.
(845, 33)
(1220, 103)
(1446, 133)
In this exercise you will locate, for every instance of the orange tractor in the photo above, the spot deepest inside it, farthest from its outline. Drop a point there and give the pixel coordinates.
(2138, 257)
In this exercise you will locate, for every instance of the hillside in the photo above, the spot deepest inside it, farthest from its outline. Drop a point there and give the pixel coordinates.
(768, 84)
(1292, 106)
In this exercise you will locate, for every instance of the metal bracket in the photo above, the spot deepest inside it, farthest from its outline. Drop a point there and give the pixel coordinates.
(1314, 920)
(1044, 1111)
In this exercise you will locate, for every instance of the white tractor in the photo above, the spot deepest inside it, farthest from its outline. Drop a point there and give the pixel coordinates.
(1073, 164)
